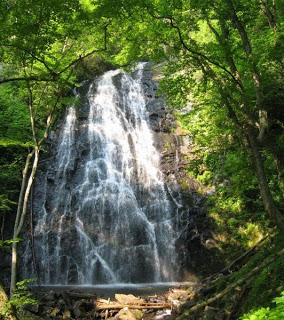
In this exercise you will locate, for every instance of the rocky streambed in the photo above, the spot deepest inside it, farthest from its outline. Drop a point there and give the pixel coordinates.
(87, 303)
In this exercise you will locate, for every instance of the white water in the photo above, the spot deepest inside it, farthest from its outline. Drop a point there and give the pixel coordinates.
(109, 219)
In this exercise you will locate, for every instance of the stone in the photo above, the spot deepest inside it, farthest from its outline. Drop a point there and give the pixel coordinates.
(31, 307)
(126, 314)
(210, 313)
(82, 308)
(66, 315)
(49, 296)
(27, 315)
(128, 298)
(61, 303)
(55, 312)
(66, 297)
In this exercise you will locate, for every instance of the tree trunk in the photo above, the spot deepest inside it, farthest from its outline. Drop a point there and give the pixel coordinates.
(271, 19)
(13, 269)
(21, 214)
(262, 113)
(244, 127)
(268, 201)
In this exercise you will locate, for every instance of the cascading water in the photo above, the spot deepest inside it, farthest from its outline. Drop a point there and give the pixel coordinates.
(109, 218)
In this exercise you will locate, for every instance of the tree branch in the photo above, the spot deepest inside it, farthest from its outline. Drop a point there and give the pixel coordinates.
(186, 47)
(229, 269)
(55, 75)
(31, 78)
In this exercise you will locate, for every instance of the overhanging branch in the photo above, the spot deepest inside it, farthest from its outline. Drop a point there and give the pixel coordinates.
(187, 48)
(55, 75)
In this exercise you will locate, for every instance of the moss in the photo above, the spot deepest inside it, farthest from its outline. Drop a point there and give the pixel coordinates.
(184, 185)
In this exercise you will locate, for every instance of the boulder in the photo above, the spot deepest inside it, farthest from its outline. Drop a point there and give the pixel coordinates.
(126, 314)
(128, 299)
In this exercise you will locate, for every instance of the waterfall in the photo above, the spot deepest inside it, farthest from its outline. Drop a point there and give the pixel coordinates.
(104, 215)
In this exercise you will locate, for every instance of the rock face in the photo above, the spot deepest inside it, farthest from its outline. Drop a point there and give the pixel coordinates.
(112, 201)
(174, 146)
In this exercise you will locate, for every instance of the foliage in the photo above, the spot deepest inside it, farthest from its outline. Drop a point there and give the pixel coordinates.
(21, 297)
(219, 162)
(12, 154)
(276, 312)
(4, 243)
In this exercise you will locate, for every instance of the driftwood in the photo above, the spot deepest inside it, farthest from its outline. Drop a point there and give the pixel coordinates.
(78, 295)
(106, 316)
(115, 305)
(232, 286)
(229, 269)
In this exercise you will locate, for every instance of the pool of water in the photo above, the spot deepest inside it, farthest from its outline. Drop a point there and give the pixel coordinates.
(109, 290)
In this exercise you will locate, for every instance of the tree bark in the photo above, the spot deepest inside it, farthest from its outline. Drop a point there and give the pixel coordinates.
(262, 113)
(268, 13)
(267, 198)
(229, 269)
(20, 221)
(28, 178)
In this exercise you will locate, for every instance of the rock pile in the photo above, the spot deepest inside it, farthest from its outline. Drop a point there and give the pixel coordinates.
(68, 305)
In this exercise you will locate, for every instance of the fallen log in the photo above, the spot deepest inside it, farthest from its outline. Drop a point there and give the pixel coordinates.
(232, 286)
(146, 303)
(229, 269)
(113, 305)
(78, 295)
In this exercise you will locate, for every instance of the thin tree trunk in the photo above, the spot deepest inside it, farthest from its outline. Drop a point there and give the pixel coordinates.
(268, 201)
(3, 226)
(13, 269)
(18, 216)
(263, 120)
(271, 19)
(20, 219)
(32, 238)
(28, 179)
(230, 269)
(245, 127)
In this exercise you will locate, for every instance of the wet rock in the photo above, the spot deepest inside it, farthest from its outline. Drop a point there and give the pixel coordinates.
(27, 315)
(32, 308)
(67, 298)
(49, 296)
(165, 315)
(61, 303)
(82, 307)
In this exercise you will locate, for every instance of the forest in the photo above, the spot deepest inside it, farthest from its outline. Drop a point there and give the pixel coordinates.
(222, 67)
